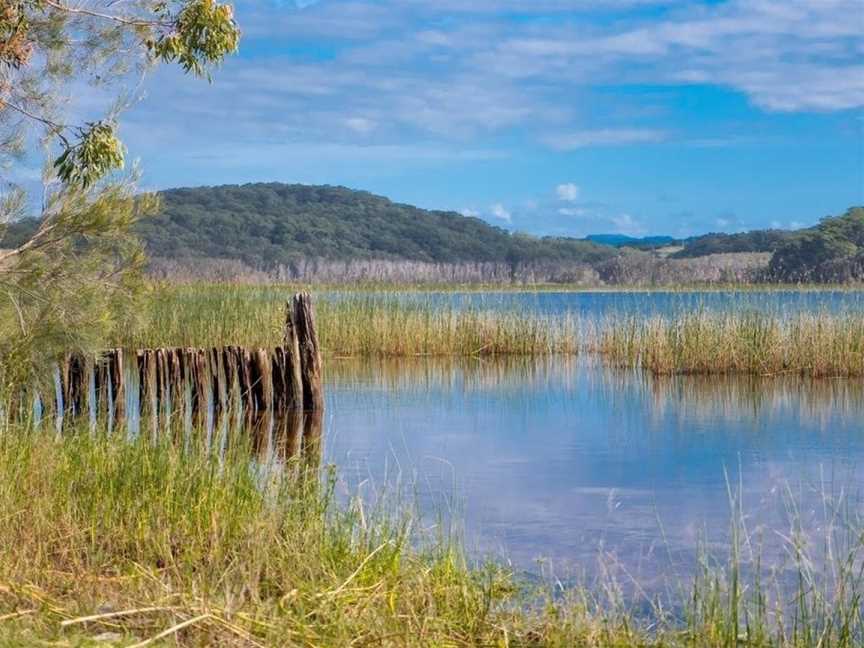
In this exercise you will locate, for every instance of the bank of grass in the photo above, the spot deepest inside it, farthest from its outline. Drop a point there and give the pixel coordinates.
(365, 324)
(129, 543)
(349, 323)
(806, 344)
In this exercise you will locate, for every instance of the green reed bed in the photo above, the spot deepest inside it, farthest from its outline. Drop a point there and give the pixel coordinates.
(813, 345)
(349, 324)
(367, 324)
(133, 544)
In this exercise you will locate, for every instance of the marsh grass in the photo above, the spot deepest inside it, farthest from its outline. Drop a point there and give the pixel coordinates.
(349, 324)
(385, 324)
(101, 535)
(129, 541)
(813, 345)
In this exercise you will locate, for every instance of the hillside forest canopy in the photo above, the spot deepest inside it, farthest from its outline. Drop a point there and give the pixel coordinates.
(269, 225)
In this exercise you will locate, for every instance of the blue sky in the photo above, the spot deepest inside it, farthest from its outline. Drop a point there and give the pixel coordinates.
(548, 116)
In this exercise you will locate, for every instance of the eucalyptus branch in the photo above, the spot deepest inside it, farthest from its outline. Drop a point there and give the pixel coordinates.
(56, 128)
(123, 20)
(36, 241)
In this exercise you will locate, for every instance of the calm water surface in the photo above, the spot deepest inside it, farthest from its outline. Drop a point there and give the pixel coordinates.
(566, 461)
(588, 304)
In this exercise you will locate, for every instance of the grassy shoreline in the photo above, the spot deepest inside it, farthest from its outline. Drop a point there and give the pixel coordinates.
(130, 542)
(349, 324)
(361, 324)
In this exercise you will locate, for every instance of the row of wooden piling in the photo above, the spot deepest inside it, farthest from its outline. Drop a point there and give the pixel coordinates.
(161, 380)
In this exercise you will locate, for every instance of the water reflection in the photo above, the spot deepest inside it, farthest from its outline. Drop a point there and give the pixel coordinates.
(281, 438)
(564, 459)
(669, 303)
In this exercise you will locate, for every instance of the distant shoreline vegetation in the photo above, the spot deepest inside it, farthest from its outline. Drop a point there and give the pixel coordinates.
(362, 324)
(264, 233)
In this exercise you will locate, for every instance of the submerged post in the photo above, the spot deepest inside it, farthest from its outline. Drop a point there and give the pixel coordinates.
(309, 351)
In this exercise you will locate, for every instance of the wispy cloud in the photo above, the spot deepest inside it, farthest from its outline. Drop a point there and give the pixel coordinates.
(474, 71)
(501, 213)
(455, 95)
(568, 192)
(571, 141)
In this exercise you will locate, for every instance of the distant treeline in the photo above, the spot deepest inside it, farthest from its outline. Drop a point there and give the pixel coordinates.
(268, 225)
(833, 251)
(719, 243)
(630, 269)
(321, 233)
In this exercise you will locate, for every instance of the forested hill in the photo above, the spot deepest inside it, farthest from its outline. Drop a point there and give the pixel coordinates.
(270, 224)
(832, 251)
(316, 232)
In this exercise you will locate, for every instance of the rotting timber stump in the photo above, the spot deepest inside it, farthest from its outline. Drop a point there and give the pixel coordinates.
(310, 353)
(166, 380)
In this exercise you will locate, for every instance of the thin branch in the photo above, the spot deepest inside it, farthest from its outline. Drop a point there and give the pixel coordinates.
(18, 311)
(54, 126)
(35, 242)
(123, 20)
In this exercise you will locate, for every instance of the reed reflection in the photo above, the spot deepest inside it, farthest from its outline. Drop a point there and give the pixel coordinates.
(557, 457)
(701, 398)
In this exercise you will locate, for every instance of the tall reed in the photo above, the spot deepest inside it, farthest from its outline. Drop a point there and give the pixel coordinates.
(814, 345)
(389, 324)
(349, 324)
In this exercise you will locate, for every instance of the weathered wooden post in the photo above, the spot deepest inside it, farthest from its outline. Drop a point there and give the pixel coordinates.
(147, 389)
(200, 385)
(310, 353)
(270, 381)
(101, 386)
(244, 379)
(262, 380)
(293, 374)
(217, 385)
(75, 381)
(229, 363)
(117, 373)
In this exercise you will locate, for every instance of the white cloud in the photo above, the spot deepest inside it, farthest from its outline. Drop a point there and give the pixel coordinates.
(417, 80)
(603, 137)
(469, 213)
(567, 192)
(500, 212)
(389, 75)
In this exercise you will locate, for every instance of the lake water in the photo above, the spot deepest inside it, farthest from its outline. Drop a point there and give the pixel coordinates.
(599, 304)
(566, 461)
